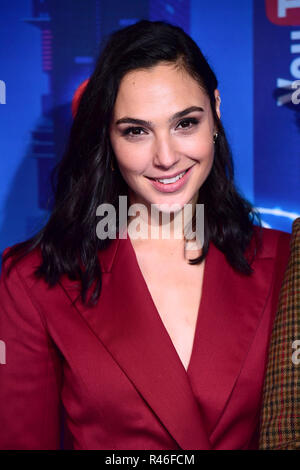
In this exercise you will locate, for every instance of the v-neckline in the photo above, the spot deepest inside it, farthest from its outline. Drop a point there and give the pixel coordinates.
(200, 308)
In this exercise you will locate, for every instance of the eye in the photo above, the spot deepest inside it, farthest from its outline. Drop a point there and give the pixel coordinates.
(188, 123)
(132, 131)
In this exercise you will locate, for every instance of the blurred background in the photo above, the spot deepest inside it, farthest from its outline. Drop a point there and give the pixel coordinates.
(48, 48)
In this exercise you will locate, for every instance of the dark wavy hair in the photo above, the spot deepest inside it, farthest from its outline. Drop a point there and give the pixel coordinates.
(83, 178)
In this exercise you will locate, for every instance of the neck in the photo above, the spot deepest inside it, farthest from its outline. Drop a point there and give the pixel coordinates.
(152, 226)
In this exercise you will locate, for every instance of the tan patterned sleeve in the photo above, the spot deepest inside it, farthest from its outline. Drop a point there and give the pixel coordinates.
(280, 416)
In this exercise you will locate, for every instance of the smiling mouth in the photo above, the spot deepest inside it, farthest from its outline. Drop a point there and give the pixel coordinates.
(169, 180)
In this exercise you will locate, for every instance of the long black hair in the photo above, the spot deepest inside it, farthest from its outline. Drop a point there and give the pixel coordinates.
(83, 179)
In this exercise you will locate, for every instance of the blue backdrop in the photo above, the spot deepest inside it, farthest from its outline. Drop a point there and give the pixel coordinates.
(48, 47)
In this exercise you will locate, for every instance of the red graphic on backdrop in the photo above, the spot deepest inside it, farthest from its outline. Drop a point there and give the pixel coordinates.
(283, 12)
(77, 96)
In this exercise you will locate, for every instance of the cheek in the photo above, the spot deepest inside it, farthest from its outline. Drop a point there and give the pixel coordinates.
(197, 147)
(132, 158)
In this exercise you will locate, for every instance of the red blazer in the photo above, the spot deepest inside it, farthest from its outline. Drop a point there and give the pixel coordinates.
(115, 369)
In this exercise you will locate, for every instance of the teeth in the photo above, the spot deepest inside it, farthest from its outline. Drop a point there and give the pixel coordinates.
(172, 180)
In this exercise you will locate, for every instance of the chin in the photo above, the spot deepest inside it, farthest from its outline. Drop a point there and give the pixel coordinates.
(170, 206)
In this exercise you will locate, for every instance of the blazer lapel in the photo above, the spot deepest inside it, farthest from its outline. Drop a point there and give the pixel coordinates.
(231, 307)
(127, 323)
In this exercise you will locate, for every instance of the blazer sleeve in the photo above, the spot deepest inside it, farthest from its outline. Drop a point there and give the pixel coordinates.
(30, 371)
(280, 417)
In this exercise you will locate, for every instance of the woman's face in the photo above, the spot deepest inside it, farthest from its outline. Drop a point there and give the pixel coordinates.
(162, 126)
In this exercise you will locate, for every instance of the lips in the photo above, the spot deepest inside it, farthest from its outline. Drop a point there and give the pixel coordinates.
(164, 177)
(171, 187)
(171, 180)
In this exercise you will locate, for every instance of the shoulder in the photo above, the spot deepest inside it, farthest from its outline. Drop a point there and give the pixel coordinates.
(21, 268)
(273, 243)
(22, 291)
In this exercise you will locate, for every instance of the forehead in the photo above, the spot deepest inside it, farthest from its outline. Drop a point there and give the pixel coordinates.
(162, 85)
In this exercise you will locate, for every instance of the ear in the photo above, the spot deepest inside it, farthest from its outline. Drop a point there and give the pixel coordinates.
(218, 101)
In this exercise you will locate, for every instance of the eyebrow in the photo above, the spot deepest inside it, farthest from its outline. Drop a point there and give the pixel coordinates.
(141, 122)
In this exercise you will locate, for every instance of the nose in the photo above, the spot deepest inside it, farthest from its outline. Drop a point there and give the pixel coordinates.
(165, 154)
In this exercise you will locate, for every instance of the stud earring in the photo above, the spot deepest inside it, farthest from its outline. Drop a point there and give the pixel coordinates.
(215, 137)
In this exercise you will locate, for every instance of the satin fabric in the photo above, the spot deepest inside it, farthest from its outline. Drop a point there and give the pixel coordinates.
(114, 368)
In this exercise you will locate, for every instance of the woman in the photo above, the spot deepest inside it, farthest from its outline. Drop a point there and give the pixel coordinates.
(150, 343)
